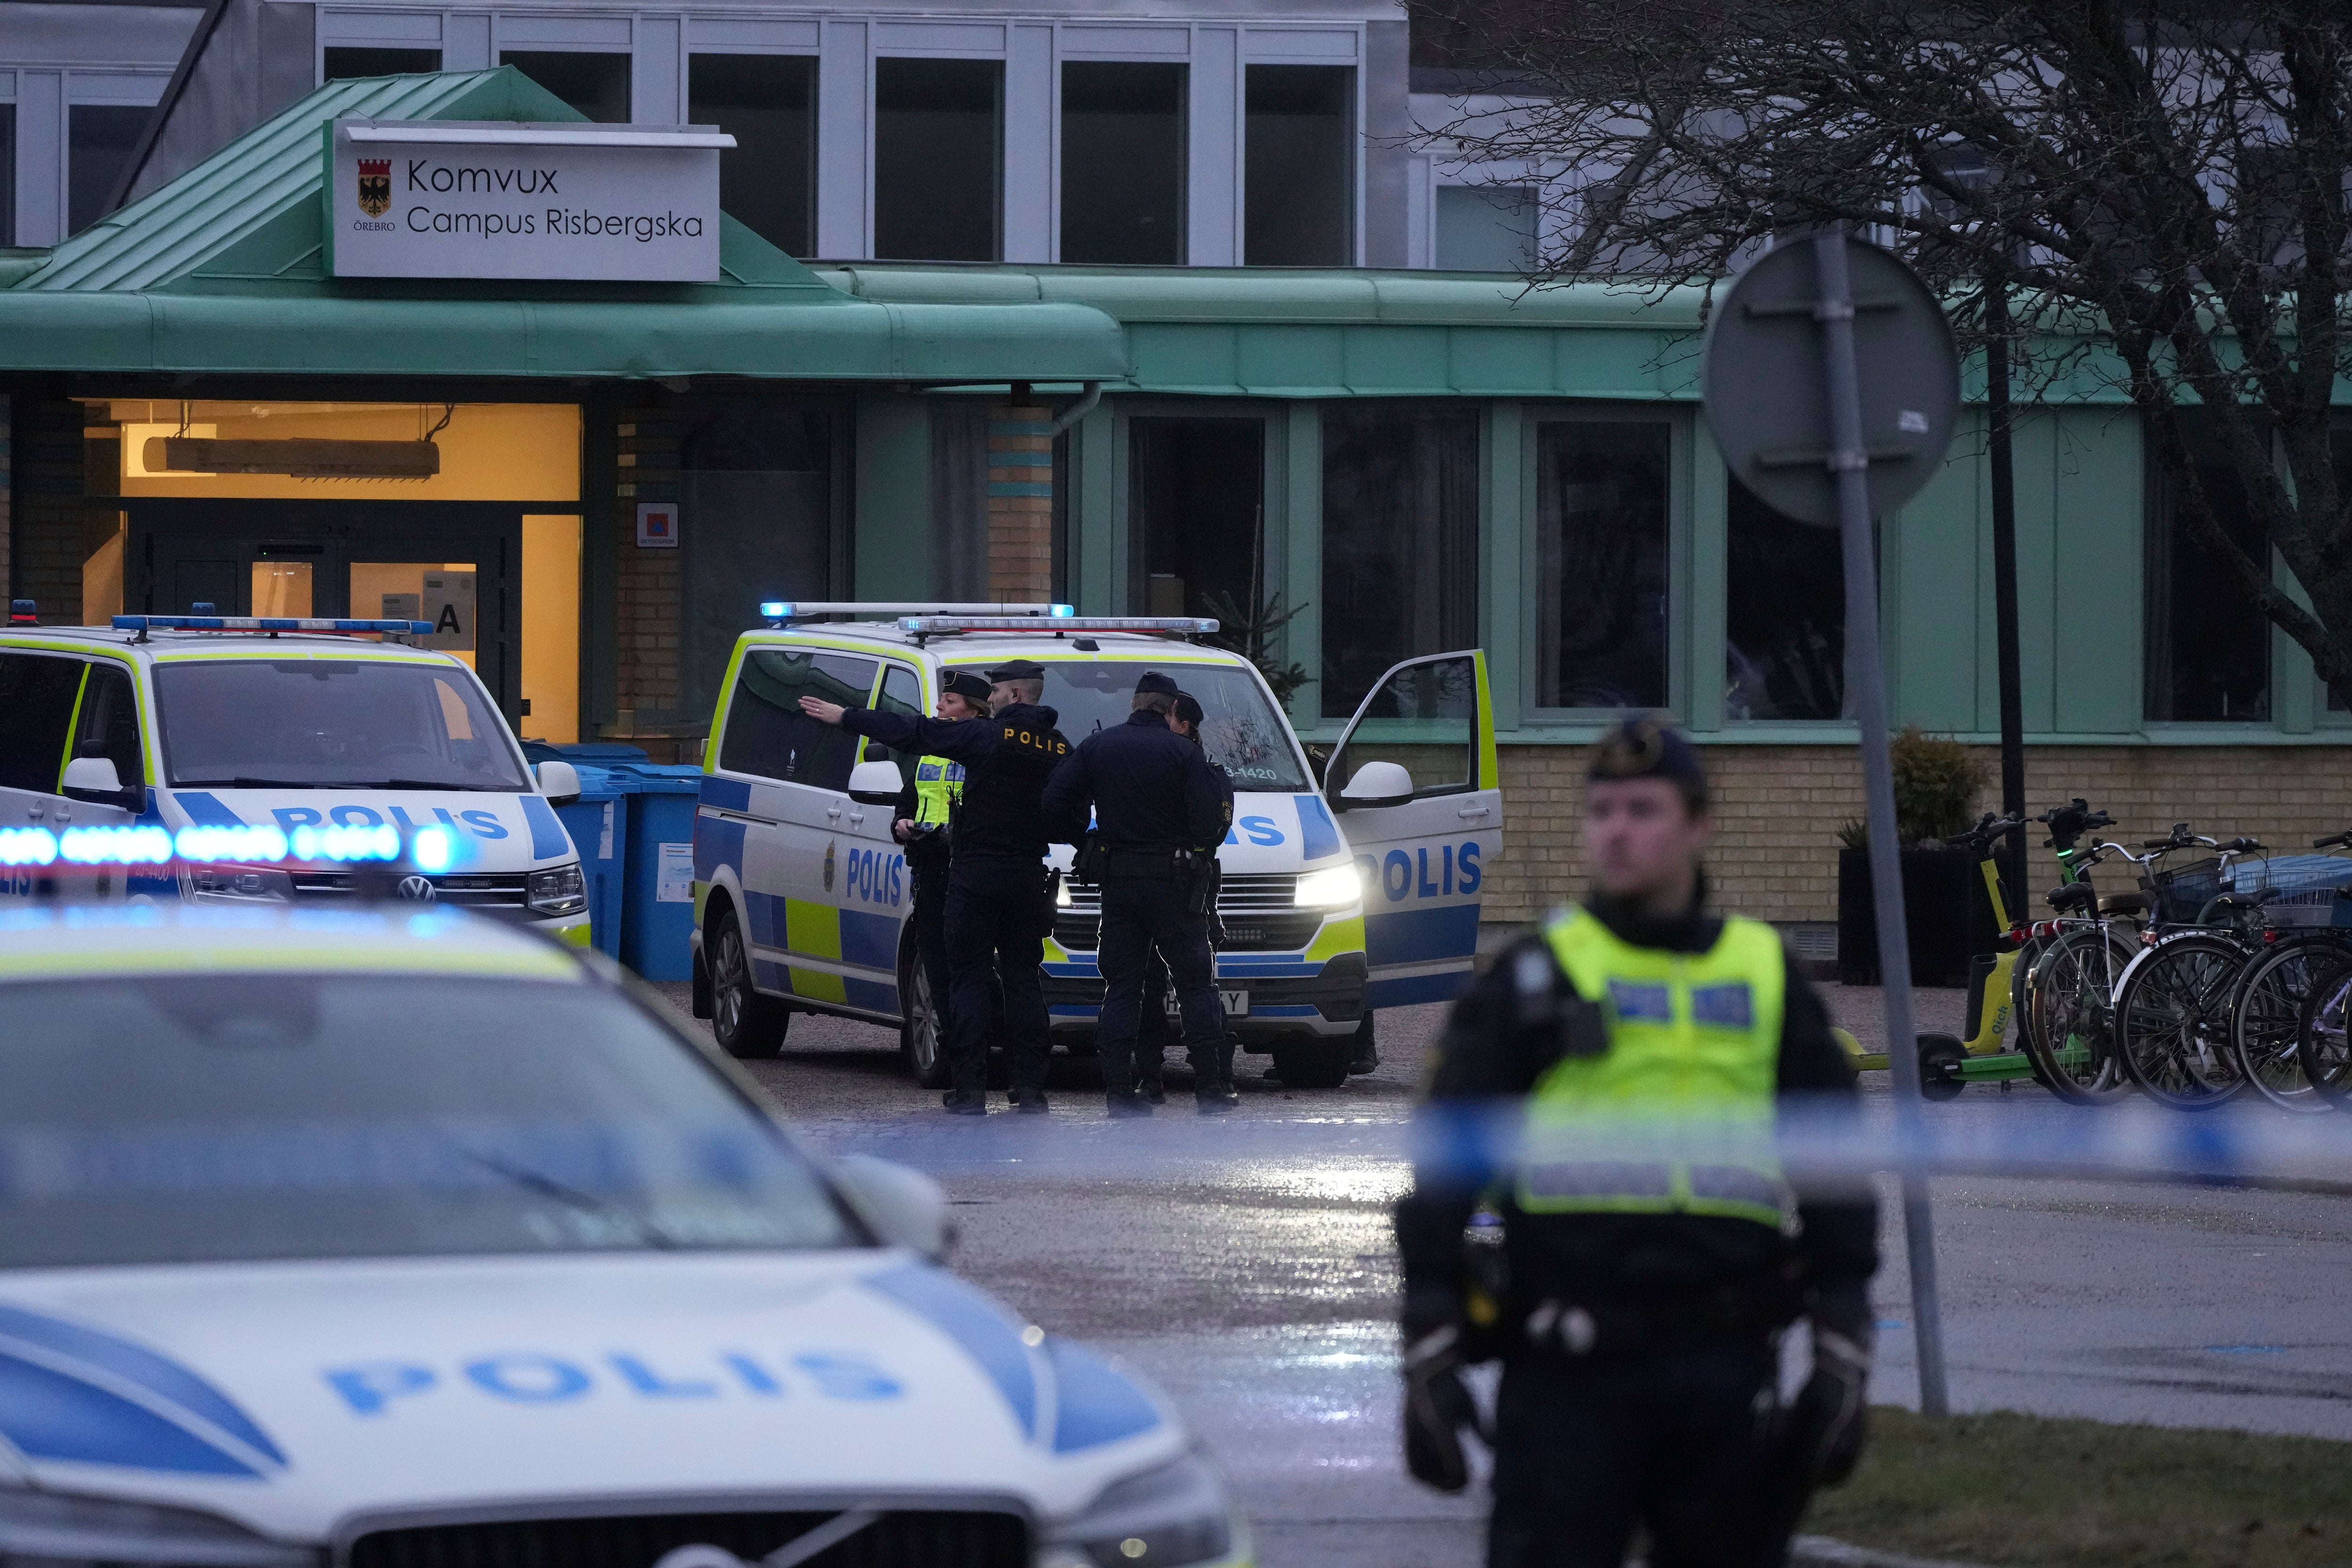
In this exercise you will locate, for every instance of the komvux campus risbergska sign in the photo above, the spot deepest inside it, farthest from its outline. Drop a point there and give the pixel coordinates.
(502, 199)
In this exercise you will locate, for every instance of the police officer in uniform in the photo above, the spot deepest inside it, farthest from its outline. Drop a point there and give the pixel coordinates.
(998, 911)
(1641, 1048)
(1160, 812)
(1152, 1034)
(921, 823)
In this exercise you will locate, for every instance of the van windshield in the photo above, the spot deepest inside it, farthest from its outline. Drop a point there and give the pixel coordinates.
(1243, 732)
(314, 724)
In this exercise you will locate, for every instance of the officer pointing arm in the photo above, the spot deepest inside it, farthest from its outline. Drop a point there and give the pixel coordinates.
(1610, 1088)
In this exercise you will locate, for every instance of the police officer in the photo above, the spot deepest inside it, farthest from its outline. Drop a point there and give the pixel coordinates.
(921, 823)
(1161, 814)
(997, 910)
(1151, 1033)
(1640, 1048)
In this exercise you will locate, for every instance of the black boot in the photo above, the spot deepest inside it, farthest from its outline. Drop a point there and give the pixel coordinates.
(1029, 1101)
(1154, 1089)
(965, 1102)
(1216, 1095)
(1124, 1103)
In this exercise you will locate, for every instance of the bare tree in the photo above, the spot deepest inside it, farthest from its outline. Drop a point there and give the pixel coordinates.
(2163, 186)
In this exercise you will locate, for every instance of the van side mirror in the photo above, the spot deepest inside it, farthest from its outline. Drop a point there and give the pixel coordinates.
(875, 783)
(1375, 785)
(903, 1207)
(94, 780)
(559, 782)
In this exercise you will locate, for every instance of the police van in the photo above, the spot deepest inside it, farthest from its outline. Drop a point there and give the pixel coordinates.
(1348, 887)
(180, 721)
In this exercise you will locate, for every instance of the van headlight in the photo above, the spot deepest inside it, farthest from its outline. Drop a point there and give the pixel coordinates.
(53, 1528)
(559, 890)
(1169, 1517)
(238, 884)
(1332, 888)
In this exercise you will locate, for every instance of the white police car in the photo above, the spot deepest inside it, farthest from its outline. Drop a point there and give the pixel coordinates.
(293, 1272)
(212, 721)
(1345, 891)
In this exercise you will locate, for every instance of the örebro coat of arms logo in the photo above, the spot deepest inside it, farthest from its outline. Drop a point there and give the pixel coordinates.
(375, 185)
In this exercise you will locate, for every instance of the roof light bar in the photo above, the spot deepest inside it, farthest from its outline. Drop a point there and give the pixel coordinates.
(266, 624)
(947, 625)
(803, 609)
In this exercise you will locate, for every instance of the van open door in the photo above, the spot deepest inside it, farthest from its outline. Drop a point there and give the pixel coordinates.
(1414, 779)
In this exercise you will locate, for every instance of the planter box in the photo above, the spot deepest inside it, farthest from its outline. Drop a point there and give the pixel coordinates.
(1949, 916)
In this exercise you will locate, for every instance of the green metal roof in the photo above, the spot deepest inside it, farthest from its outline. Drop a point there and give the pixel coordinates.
(221, 272)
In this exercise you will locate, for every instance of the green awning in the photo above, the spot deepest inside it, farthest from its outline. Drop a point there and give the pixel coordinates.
(219, 272)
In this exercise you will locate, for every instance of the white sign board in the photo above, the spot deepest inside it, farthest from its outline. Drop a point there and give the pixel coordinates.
(505, 199)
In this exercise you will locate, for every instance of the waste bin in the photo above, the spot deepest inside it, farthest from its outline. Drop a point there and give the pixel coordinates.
(599, 824)
(658, 911)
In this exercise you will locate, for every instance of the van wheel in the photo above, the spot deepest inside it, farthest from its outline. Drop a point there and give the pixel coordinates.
(1313, 1064)
(922, 1032)
(747, 1025)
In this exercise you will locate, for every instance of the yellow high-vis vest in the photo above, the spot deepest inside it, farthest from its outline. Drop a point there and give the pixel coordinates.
(938, 784)
(1677, 1116)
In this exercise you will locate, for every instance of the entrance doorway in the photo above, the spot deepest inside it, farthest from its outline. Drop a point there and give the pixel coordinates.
(458, 563)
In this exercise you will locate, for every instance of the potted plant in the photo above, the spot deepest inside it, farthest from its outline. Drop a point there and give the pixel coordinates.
(1946, 915)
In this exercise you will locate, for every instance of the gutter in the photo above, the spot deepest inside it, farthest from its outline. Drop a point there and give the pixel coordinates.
(1084, 406)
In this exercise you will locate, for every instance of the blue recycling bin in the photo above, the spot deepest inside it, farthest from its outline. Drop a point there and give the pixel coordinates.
(657, 906)
(599, 824)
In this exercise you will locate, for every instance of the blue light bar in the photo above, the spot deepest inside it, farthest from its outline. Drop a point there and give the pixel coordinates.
(1059, 624)
(146, 845)
(265, 623)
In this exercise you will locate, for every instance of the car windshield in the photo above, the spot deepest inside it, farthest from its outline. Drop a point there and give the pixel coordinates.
(191, 1117)
(1243, 732)
(369, 723)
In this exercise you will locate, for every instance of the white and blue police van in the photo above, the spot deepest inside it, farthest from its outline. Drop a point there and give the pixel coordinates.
(287, 1280)
(1348, 887)
(304, 729)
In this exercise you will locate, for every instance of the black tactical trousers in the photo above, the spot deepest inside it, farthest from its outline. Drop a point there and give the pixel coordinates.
(1680, 1439)
(1137, 915)
(994, 916)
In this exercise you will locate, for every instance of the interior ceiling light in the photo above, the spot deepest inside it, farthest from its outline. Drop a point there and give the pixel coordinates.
(299, 457)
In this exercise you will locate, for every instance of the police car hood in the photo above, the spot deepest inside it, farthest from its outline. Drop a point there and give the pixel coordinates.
(1273, 831)
(489, 830)
(299, 1398)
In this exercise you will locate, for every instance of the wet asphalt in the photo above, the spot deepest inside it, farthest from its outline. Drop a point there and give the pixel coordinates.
(1245, 1263)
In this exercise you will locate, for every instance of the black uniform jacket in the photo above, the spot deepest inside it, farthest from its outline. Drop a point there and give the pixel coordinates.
(1151, 788)
(991, 818)
(1485, 1062)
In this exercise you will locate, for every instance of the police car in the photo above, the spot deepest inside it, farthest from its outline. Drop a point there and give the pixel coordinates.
(1347, 889)
(292, 1272)
(186, 721)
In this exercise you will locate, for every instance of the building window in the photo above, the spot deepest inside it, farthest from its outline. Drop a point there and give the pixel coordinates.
(1122, 163)
(769, 103)
(597, 85)
(7, 174)
(1196, 493)
(1400, 544)
(1601, 563)
(100, 137)
(1786, 615)
(1298, 176)
(344, 65)
(939, 160)
(2209, 648)
(1486, 228)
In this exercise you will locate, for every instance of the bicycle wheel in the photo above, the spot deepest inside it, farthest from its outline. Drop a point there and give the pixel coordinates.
(2172, 1013)
(2021, 991)
(2266, 1019)
(2322, 1046)
(2070, 1041)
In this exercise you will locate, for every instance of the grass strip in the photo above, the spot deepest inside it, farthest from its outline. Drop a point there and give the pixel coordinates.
(2008, 1491)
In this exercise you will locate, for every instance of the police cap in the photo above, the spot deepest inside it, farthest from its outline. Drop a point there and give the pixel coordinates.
(1018, 669)
(1649, 745)
(1188, 708)
(963, 683)
(1154, 681)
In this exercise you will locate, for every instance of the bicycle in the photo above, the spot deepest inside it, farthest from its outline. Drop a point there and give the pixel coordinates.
(2174, 1003)
(2308, 936)
(2071, 991)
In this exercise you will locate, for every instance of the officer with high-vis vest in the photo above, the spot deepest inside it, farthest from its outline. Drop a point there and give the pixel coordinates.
(1607, 1096)
(999, 905)
(926, 807)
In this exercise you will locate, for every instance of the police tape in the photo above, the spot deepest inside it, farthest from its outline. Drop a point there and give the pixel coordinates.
(432, 848)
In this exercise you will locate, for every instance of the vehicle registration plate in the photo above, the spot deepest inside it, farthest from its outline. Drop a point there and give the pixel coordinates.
(1235, 1003)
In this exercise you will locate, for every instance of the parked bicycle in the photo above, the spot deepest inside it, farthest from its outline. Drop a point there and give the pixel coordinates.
(2175, 1002)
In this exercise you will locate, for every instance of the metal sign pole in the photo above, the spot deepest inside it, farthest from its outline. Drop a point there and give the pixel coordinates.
(1850, 462)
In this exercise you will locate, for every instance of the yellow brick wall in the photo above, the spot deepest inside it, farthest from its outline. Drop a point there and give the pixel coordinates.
(1778, 809)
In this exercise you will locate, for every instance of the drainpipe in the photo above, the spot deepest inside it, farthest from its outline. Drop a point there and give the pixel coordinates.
(1081, 408)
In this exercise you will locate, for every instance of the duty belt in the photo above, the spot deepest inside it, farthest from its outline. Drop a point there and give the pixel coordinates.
(1629, 1327)
(1147, 865)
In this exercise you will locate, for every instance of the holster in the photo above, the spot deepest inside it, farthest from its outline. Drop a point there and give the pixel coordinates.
(1093, 858)
(927, 852)
(1206, 878)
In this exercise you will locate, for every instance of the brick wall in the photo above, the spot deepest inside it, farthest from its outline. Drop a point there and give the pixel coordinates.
(1020, 504)
(1778, 809)
(645, 593)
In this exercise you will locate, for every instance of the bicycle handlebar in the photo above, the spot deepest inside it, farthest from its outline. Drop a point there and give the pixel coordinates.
(2340, 841)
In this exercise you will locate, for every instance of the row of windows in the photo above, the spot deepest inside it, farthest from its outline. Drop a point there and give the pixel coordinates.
(939, 150)
(99, 140)
(1401, 566)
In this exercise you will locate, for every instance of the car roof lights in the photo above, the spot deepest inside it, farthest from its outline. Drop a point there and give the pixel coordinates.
(939, 626)
(777, 611)
(143, 624)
